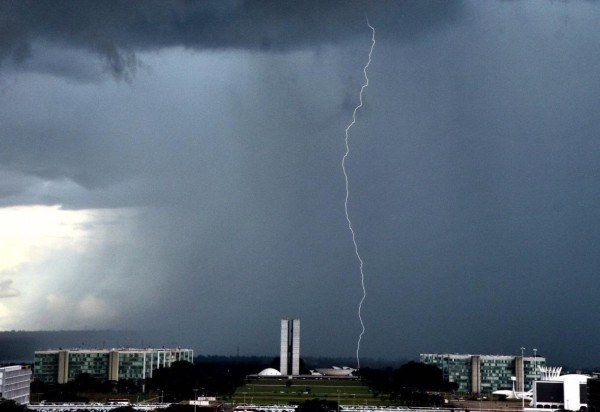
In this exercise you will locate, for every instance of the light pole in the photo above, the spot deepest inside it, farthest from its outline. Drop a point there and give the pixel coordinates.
(523, 375)
(338, 400)
(195, 398)
(535, 363)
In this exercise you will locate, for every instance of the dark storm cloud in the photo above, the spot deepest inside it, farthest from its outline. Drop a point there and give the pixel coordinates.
(474, 170)
(487, 234)
(115, 30)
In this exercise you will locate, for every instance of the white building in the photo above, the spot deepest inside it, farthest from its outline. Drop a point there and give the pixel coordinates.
(565, 392)
(289, 360)
(15, 382)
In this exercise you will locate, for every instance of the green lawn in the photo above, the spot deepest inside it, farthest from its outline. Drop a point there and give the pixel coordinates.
(278, 391)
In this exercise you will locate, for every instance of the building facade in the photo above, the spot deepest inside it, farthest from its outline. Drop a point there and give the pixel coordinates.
(289, 356)
(15, 383)
(566, 392)
(62, 366)
(486, 373)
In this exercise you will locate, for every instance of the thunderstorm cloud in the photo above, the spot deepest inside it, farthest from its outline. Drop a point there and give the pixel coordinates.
(176, 168)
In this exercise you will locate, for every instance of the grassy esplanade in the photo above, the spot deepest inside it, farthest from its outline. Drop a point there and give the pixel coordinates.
(266, 391)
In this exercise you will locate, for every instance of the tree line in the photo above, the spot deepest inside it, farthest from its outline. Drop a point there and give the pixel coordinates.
(412, 384)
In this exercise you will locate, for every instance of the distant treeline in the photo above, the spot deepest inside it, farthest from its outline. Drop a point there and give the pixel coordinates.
(306, 362)
(411, 384)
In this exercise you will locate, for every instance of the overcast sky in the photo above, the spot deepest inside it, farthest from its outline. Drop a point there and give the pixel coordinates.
(177, 167)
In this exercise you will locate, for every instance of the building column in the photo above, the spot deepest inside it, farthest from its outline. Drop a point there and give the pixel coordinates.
(63, 366)
(113, 365)
(475, 374)
(283, 353)
(144, 354)
(296, 347)
(520, 373)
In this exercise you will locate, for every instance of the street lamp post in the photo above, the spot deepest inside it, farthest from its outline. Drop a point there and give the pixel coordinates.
(195, 398)
(523, 375)
(535, 363)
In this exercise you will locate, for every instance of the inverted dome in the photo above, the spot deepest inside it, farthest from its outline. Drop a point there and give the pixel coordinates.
(335, 371)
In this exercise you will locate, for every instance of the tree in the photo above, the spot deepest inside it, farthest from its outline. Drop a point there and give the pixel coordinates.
(214, 378)
(408, 384)
(127, 386)
(420, 376)
(11, 406)
(84, 382)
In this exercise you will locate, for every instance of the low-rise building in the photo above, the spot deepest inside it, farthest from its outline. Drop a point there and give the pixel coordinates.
(64, 365)
(15, 383)
(486, 373)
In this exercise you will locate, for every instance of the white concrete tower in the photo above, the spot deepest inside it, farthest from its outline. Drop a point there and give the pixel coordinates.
(285, 343)
(296, 347)
(289, 354)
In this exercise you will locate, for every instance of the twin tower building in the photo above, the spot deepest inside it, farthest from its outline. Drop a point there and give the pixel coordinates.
(289, 357)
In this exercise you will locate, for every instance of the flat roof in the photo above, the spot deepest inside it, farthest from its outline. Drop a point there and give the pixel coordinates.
(468, 355)
(104, 350)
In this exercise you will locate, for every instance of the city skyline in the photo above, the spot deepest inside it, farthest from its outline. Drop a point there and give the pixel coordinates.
(177, 168)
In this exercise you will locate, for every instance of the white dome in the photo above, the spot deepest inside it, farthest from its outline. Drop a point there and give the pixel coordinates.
(269, 372)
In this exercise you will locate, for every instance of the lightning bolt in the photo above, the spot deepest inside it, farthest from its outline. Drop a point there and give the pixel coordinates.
(362, 274)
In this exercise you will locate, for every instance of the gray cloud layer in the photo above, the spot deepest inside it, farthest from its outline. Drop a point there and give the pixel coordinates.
(117, 29)
(7, 290)
(474, 172)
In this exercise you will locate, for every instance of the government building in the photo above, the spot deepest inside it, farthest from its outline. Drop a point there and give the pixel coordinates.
(14, 383)
(64, 365)
(289, 356)
(486, 373)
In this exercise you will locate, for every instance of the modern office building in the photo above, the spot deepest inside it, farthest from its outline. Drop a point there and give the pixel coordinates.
(486, 373)
(289, 357)
(64, 365)
(15, 383)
